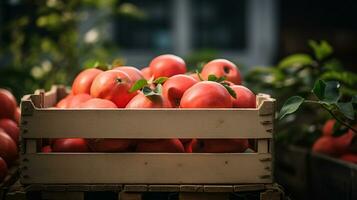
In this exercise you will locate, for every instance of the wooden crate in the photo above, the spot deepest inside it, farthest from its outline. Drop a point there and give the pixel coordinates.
(39, 121)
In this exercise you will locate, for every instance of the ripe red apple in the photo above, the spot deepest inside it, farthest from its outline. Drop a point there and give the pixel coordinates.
(132, 72)
(349, 157)
(343, 142)
(83, 82)
(97, 103)
(3, 169)
(17, 115)
(8, 148)
(167, 65)
(46, 149)
(78, 99)
(174, 88)
(222, 68)
(8, 104)
(110, 145)
(162, 145)
(245, 97)
(195, 76)
(64, 103)
(327, 129)
(206, 94)
(11, 128)
(325, 145)
(191, 146)
(142, 101)
(146, 72)
(70, 145)
(224, 145)
(113, 85)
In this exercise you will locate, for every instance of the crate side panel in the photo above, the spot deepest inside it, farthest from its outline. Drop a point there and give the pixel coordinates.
(136, 168)
(225, 123)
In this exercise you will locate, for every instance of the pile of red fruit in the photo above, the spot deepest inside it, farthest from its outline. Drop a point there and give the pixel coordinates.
(165, 83)
(340, 146)
(9, 131)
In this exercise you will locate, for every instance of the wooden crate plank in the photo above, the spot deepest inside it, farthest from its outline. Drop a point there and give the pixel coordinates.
(120, 123)
(203, 196)
(191, 188)
(135, 188)
(150, 168)
(218, 188)
(163, 188)
(248, 187)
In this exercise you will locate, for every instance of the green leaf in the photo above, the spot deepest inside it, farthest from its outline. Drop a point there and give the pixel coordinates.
(348, 78)
(295, 60)
(147, 91)
(327, 91)
(321, 50)
(346, 109)
(229, 89)
(158, 89)
(199, 75)
(290, 106)
(220, 79)
(212, 77)
(160, 80)
(138, 85)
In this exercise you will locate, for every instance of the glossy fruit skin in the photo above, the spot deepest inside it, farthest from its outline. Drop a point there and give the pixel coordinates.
(195, 76)
(110, 145)
(64, 103)
(113, 85)
(3, 169)
(146, 72)
(222, 68)
(11, 128)
(349, 157)
(325, 145)
(132, 72)
(46, 149)
(245, 97)
(327, 129)
(206, 94)
(77, 100)
(83, 81)
(224, 145)
(17, 115)
(8, 148)
(8, 104)
(167, 65)
(142, 101)
(97, 103)
(162, 145)
(174, 88)
(70, 145)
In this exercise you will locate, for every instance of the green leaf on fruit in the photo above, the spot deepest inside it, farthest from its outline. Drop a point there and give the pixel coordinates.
(220, 79)
(139, 85)
(230, 90)
(212, 77)
(321, 50)
(327, 91)
(290, 106)
(158, 89)
(160, 80)
(147, 91)
(295, 60)
(346, 109)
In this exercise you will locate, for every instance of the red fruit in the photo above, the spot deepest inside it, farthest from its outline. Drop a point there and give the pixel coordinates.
(327, 129)
(349, 157)
(110, 145)
(11, 128)
(17, 115)
(167, 65)
(83, 82)
(245, 97)
(70, 145)
(325, 145)
(3, 169)
(113, 85)
(222, 68)
(206, 94)
(343, 142)
(78, 99)
(195, 76)
(184, 141)
(162, 145)
(175, 87)
(225, 145)
(132, 72)
(97, 103)
(191, 146)
(142, 101)
(8, 148)
(46, 149)
(7, 104)
(146, 73)
(64, 103)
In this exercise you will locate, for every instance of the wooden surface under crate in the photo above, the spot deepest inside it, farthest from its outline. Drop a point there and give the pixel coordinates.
(40, 120)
